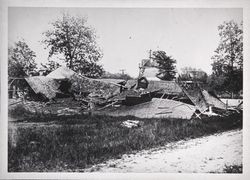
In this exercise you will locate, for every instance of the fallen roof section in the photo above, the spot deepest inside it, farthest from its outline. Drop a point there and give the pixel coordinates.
(213, 101)
(156, 108)
(194, 93)
(44, 85)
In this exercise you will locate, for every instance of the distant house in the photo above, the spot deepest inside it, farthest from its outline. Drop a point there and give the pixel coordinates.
(151, 73)
(148, 63)
(149, 69)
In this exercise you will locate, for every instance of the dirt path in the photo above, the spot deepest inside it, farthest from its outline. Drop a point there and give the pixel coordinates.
(206, 154)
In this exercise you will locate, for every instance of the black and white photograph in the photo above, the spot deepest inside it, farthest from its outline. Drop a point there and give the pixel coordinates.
(125, 90)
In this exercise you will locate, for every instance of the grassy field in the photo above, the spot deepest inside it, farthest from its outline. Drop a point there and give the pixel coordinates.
(72, 143)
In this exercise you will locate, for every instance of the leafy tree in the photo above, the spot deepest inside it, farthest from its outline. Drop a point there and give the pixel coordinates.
(21, 60)
(166, 65)
(109, 75)
(193, 74)
(228, 59)
(216, 83)
(71, 37)
(21, 63)
(49, 67)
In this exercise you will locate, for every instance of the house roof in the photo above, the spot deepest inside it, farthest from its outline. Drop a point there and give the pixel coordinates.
(44, 85)
(149, 63)
(61, 73)
(151, 73)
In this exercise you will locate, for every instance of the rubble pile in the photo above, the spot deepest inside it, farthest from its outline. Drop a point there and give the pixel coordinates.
(143, 98)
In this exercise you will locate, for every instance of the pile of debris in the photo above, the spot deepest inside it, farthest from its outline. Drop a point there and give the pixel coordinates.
(143, 98)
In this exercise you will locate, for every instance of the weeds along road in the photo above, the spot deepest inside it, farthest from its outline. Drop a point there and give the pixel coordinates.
(206, 154)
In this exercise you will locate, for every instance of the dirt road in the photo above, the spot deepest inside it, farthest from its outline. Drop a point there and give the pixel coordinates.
(206, 154)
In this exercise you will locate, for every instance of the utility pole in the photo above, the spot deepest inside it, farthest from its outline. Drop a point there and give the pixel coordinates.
(150, 54)
(122, 71)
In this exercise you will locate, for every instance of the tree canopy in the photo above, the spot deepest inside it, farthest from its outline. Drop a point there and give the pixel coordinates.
(166, 65)
(108, 75)
(49, 67)
(21, 60)
(227, 63)
(71, 37)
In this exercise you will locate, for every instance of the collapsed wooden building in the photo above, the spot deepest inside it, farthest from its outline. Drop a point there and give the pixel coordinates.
(144, 97)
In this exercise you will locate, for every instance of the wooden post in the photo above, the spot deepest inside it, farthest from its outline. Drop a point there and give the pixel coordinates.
(14, 92)
(91, 107)
(11, 92)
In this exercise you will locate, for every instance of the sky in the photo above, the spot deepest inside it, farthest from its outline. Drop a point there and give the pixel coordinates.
(126, 35)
